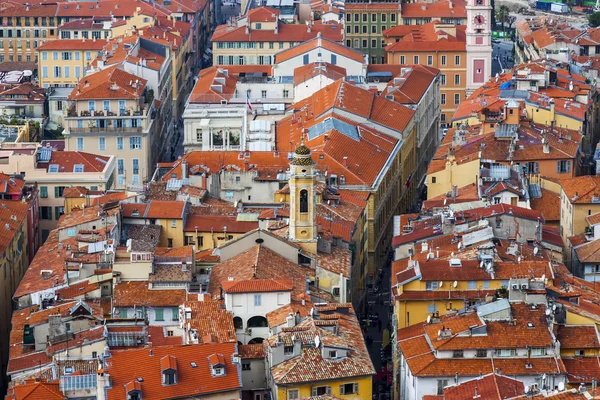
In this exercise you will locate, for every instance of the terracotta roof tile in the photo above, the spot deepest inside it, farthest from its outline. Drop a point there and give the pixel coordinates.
(427, 37)
(578, 337)
(582, 369)
(582, 189)
(124, 368)
(251, 351)
(286, 33)
(218, 223)
(279, 316)
(436, 10)
(66, 161)
(328, 43)
(257, 285)
(309, 71)
(492, 387)
(72, 44)
(110, 83)
(132, 293)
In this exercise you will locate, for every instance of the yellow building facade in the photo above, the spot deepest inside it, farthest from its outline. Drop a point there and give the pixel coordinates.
(63, 62)
(305, 391)
(459, 174)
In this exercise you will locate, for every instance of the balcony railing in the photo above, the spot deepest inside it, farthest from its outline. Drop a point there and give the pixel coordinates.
(106, 129)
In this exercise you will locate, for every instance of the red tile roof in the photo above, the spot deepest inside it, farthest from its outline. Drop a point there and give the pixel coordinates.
(548, 204)
(72, 44)
(210, 320)
(66, 161)
(257, 285)
(582, 369)
(488, 387)
(433, 36)
(110, 83)
(578, 337)
(328, 43)
(35, 390)
(582, 189)
(263, 14)
(218, 223)
(411, 83)
(285, 33)
(137, 293)
(124, 368)
(436, 10)
(309, 71)
(251, 351)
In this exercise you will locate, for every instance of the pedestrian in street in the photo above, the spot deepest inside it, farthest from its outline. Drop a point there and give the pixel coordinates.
(379, 323)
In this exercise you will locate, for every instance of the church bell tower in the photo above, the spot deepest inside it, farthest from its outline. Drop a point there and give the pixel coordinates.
(303, 219)
(479, 43)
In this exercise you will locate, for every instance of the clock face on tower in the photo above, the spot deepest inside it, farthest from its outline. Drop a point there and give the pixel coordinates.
(479, 21)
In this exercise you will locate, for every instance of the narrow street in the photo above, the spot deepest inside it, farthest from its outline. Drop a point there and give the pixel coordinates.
(378, 331)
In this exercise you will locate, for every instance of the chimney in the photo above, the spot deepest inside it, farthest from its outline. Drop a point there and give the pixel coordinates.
(345, 161)
(184, 171)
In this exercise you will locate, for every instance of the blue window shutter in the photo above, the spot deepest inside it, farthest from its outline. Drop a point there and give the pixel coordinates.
(305, 59)
(569, 166)
(56, 192)
(558, 166)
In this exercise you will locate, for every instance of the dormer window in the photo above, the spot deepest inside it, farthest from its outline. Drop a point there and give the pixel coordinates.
(217, 364)
(288, 350)
(332, 353)
(134, 390)
(168, 366)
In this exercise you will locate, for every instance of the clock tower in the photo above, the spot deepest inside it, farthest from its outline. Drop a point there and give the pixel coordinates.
(479, 43)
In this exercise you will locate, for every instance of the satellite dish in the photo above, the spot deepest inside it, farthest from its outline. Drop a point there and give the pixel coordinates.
(561, 386)
(428, 256)
(548, 312)
(429, 319)
(439, 333)
(526, 389)
(535, 251)
(519, 259)
(455, 284)
(317, 341)
(544, 377)
(441, 283)
(481, 264)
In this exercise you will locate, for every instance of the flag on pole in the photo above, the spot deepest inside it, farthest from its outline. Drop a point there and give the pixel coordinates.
(248, 101)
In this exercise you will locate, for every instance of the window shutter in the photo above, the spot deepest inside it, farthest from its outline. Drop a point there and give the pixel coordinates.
(558, 166)
(569, 166)
(342, 389)
(56, 192)
(537, 167)
(57, 213)
(355, 388)
(314, 392)
(328, 389)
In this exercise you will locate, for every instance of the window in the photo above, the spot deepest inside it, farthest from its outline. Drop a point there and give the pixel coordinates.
(431, 308)
(119, 143)
(384, 17)
(355, 17)
(349, 388)
(441, 384)
(288, 350)
(322, 390)
(121, 107)
(433, 179)
(481, 353)
(170, 242)
(457, 80)
(169, 378)
(123, 313)
(305, 59)
(43, 192)
(443, 60)
(538, 351)
(58, 211)
(245, 365)
(66, 55)
(286, 94)
(304, 201)
(563, 166)
(373, 17)
(79, 168)
(579, 353)
(402, 59)
(257, 300)
(174, 314)
(159, 314)
(415, 59)
(364, 17)
(457, 60)
(456, 98)
(77, 72)
(102, 143)
(135, 142)
(443, 99)
(44, 55)
(258, 25)
(364, 42)
(44, 72)
(505, 352)
(443, 77)
(59, 191)
(263, 94)
(55, 55)
(120, 166)
(431, 286)
(373, 29)
(136, 166)
(458, 354)
(486, 284)
(46, 213)
(293, 394)
(429, 60)
(472, 285)
(57, 72)
(356, 45)
(77, 55)
(173, 223)
(443, 117)
(79, 144)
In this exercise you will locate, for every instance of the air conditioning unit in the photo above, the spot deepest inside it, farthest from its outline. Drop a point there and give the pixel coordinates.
(515, 287)
(336, 291)
(524, 286)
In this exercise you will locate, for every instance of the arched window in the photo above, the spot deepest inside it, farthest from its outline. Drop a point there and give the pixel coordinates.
(304, 201)
(256, 340)
(258, 322)
(238, 323)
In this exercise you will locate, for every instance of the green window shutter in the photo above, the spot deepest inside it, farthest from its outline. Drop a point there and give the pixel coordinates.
(123, 313)
(159, 314)
(56, 192)
(56, 213)
(44, 191)
(175, 314)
